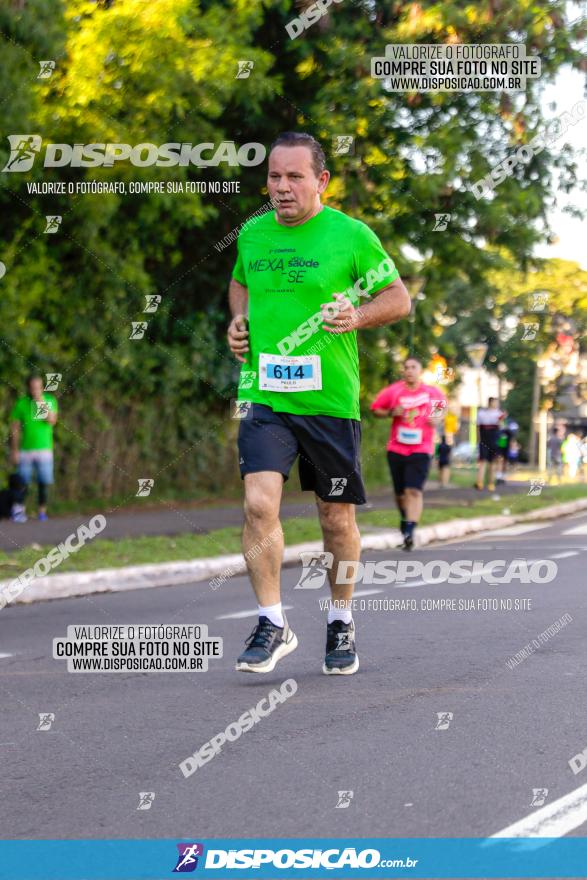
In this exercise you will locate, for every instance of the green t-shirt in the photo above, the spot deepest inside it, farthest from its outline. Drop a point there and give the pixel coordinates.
(36, 432)
(289, 271)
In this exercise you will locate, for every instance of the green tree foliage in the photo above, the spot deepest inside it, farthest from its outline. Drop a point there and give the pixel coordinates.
(519, 314)
(165, 71)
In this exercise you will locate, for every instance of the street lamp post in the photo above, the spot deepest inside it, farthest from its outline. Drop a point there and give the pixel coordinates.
(476, 352)
(501, 371)
(534, 410)
(547, 370)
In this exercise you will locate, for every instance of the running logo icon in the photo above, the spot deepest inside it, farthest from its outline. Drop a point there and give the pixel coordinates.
(536, 487)
(539, 796)
(46, 719)
(138, 329)
(530, 331)
(23, 149)
(53, 380)
(146, 799)
(53, 222)
(47, 68)
(41, 409)
(344, 800)
(153, 300)
(338, 485)
(441, 222)
(145, 487)
(244, 69)
(188, 857)
(314, 570)
(444, 719)
(539, 301)
(437, 407)
(344, 145)
(242, 409)
(246, 379)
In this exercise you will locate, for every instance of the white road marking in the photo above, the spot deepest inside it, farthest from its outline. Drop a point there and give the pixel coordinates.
(577, 530)
(564, 555)
(433, 581)
(512, 531)
(238, 615)
(553, 820)
(517, 547)
(5, 655)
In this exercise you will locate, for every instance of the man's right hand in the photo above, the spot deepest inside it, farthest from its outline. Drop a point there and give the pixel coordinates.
(397, 411)
(238, 337)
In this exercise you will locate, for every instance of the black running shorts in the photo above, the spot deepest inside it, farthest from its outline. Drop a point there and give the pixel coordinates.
(488, 448)
(408, 471)
(328, 450)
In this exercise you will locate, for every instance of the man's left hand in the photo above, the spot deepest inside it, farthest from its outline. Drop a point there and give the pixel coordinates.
(340, 316)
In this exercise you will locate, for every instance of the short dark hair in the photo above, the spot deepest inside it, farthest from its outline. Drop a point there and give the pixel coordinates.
(491, 399)
(302, 139)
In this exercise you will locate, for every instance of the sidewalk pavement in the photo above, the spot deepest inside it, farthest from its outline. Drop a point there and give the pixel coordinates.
(177, 519)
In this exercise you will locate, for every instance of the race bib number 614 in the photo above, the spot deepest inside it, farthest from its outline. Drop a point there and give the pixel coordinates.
(278, 373)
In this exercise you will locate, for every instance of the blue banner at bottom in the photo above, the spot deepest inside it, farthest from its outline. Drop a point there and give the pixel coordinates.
(369, 858)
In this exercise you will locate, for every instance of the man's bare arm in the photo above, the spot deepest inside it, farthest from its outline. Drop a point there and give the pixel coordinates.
(238, 298)
(387, 306)
(238, 332)
(386, 413)
(14, 441)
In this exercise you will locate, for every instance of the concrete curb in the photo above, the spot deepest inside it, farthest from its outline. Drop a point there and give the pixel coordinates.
(168, 574)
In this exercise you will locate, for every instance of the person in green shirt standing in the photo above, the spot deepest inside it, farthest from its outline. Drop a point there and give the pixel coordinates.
(31, 442)
(306, 278)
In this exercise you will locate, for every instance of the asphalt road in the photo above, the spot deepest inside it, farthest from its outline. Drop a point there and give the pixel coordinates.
(116, 735)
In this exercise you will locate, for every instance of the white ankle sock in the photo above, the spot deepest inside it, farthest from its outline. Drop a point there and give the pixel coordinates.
(344, 614)
(273, 612)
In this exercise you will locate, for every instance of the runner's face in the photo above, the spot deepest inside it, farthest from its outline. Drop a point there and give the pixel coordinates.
(36, 388)
(412, 370)
(293, 185)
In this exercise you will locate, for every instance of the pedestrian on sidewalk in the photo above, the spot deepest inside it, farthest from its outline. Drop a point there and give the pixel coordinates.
(443, 451)
(555, 458)
(31, 442)
(584, 458)
(489, 420)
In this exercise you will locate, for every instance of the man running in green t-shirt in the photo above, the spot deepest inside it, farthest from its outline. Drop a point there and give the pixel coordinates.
(307, 277)
(31, 442)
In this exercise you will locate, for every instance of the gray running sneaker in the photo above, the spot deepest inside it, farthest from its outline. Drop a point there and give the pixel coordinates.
(341, 655)
(266, 645)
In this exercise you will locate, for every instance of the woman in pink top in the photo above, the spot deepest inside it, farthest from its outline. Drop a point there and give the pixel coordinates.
(415, 410)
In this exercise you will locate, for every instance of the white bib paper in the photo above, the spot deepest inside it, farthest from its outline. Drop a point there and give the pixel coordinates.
(409, 436)
(280, 373)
